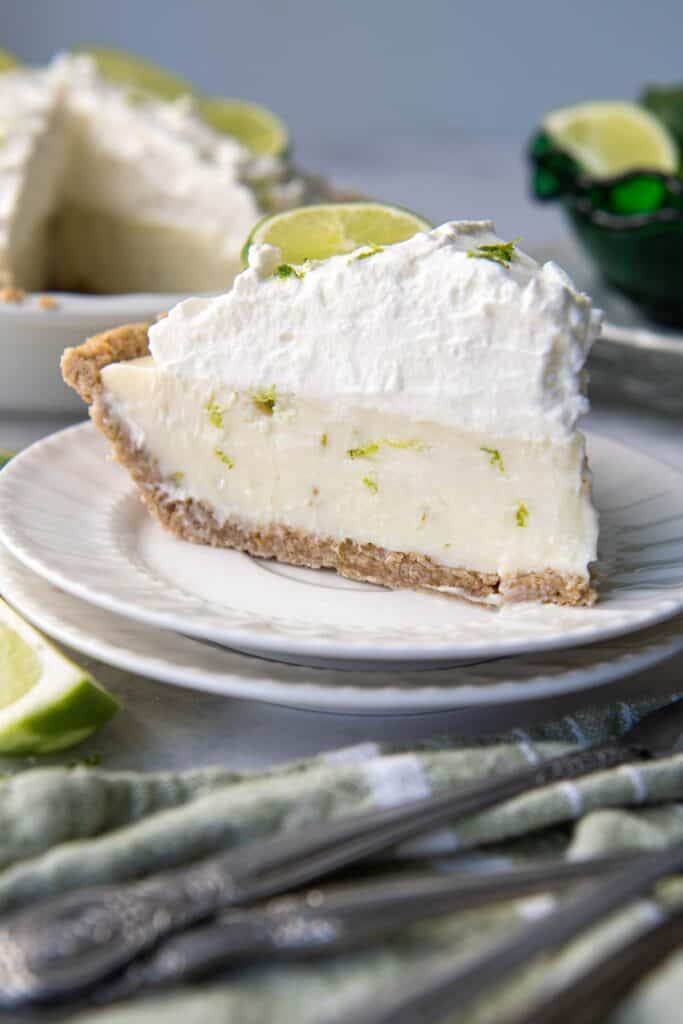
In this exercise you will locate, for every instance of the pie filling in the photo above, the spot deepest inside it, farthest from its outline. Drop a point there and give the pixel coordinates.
(463, 500)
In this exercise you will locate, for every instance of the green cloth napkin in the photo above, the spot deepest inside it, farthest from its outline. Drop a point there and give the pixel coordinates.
(61, 828)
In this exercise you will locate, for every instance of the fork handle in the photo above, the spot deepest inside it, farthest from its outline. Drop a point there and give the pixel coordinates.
(290, 861)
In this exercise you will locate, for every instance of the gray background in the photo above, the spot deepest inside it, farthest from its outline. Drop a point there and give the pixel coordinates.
(417, 102)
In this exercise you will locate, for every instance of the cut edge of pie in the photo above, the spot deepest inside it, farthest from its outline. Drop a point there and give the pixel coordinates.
(194, 520)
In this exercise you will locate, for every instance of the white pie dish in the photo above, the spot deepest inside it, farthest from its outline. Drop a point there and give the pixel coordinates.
(32, 340)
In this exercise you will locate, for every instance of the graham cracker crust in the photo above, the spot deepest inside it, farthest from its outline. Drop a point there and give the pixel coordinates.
(194, 521)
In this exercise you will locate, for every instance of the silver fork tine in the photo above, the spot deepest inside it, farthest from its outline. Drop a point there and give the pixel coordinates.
(330, 920)
(291, 861)
(597, 990)
(454, 990)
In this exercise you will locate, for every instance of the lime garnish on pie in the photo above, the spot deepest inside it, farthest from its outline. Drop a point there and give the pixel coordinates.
(258, 129)
(128, 69)
(7, 61)
(254, 126)
(47, 703)
(611, 137)
(5, 456)
(330, 229)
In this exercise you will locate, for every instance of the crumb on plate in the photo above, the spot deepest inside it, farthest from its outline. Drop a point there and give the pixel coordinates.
(11, 294)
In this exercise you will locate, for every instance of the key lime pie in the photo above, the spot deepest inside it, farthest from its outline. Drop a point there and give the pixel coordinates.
(106, 187)
(402, 411)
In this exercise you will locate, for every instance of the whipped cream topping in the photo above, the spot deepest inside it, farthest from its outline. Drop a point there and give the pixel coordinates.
(122, 151)
(419, 328)
(28, 101)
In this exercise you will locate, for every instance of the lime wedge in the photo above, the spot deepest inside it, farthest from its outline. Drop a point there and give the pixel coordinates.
(316, 232)
(5, 456)
(610, 137)
(255, 127)
(47, 703)
(128, 69)
(7, 61)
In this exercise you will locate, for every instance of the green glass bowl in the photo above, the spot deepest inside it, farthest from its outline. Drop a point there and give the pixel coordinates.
(631, 226)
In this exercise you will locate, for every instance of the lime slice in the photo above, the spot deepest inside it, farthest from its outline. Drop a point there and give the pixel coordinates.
(7, 61)
(316, 232)
(5, 456)
(610, 137)
(47, 703)
(255, 127)
(128, 69)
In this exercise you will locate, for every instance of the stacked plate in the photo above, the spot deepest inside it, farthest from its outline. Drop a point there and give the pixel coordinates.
(85, 563)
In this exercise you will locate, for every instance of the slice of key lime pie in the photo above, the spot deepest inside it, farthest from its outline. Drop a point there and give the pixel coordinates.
(403, 413)
(110, 187)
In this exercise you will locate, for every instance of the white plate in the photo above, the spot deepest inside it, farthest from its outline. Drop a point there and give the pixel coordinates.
(32, 341)
(172, 658)
(75, 518)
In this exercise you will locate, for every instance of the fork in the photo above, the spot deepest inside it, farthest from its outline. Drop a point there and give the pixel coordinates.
(334, 919)
(69, 943)
(454, 990)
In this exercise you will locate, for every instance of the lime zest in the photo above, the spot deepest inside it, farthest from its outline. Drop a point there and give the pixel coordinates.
(363, 453)
(225, 459)
(371, 484)
(522, 514)
(371, 449)
(423, 519)
(414, 446)
(495, 458)
(497, 252)
(323, 440)
(215, 412)
(371, 251)
(287, 270)
(177, 478)
(265, 400)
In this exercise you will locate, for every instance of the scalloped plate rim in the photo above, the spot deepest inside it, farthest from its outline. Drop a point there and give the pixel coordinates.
(243, 678)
